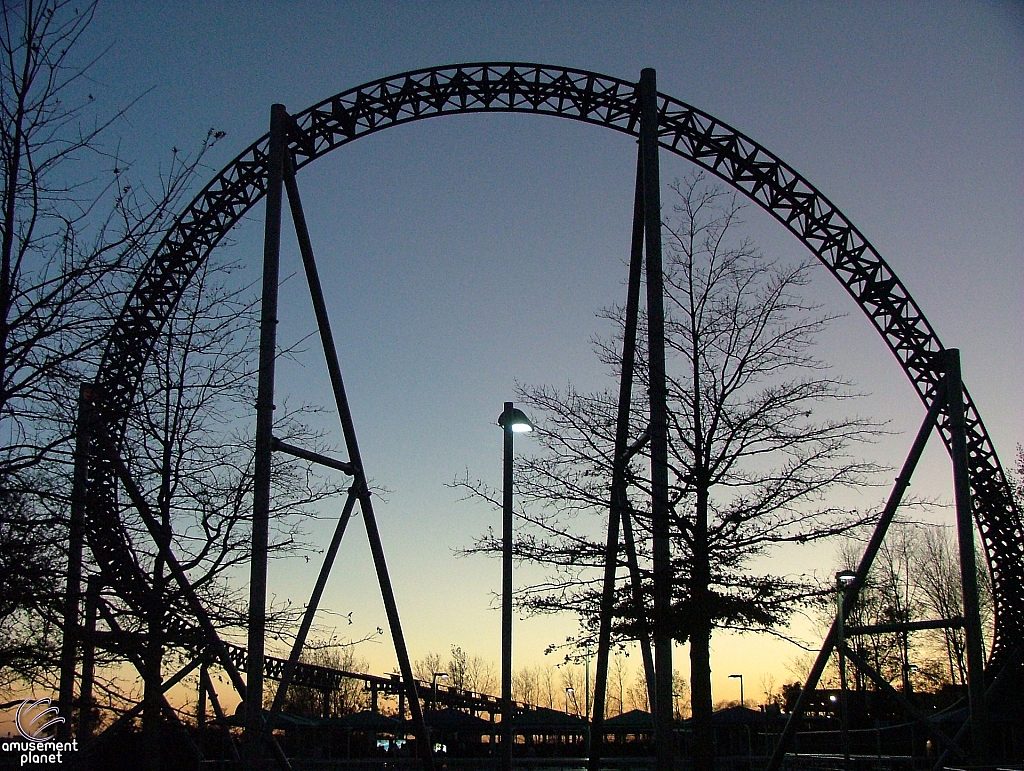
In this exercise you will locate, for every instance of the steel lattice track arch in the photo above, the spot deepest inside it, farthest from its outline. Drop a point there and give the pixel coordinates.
(582, 96)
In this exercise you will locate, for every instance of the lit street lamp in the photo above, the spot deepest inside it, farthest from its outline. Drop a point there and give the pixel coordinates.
(433, 686)
(742, 703)
(512, 421)
(844, 580)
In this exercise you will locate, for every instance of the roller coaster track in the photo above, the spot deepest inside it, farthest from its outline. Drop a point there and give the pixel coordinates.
(581, 96)
(330, 679)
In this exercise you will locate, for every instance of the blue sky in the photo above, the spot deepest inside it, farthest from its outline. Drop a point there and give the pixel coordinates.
(465, 255)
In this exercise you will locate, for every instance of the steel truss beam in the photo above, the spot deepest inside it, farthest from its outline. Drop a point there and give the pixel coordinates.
(327, 679)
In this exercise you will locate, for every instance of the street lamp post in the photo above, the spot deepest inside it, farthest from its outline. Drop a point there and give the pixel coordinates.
(622, 707)
(586, 684)
(433, 686)
(586, 691)
(844, 580)
(512, 421)
(731, 677)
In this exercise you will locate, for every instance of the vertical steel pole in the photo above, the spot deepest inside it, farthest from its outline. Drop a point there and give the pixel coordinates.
(968, 567)
(506, 594)
(663, 738)
(264, 435)
(201, 703)
(636, 590)
(844, 719)
(76, 541)
(619, 463)
(85, 706)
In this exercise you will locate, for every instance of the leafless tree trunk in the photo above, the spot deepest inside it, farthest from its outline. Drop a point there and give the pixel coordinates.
(73, 223)
(189, 449)
(750, 465)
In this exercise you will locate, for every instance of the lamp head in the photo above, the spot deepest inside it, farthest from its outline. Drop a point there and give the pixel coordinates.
(845, 579)
(514, 420)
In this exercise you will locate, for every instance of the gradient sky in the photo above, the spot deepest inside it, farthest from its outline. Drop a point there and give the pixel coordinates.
(464, 255)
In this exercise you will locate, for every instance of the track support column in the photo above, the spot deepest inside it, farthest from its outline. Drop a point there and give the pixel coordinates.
(968, 565)
(620, 461)
(264, 435)
(663, 736)
(85, 698)
(76, 542)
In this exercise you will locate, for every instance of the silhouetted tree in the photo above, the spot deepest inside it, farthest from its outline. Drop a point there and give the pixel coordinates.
(73, 223)
(348, 698)
(915, 577)
(75, 228)
(755, 447)
(465, 671)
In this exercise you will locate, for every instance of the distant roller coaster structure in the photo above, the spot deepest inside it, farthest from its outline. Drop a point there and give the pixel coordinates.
(267, 169)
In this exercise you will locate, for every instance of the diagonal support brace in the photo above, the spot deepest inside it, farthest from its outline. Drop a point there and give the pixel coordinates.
(313, 457)
(888, 513)
(885, 686)
(620, 461)
(311, 608)
(352, 445)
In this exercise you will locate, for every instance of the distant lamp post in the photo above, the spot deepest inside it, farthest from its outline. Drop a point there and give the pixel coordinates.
(570, 691)
(433, 686)
(908, 670)
(512, 421)
(733, 677)
(844, 580)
